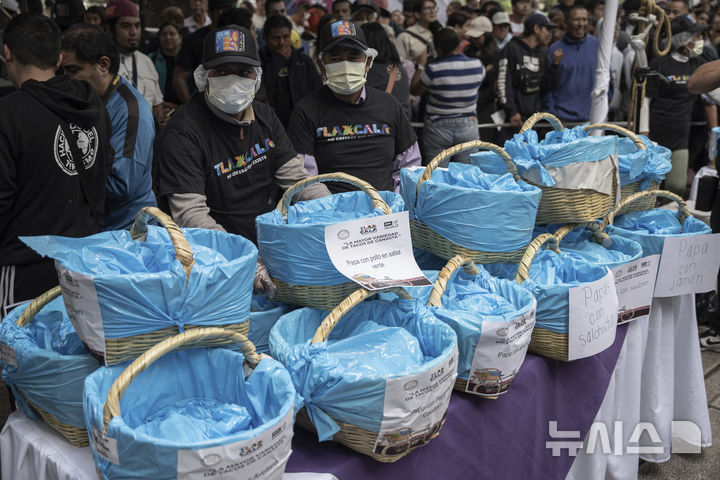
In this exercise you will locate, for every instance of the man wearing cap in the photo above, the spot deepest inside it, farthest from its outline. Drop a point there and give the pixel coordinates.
(363, 11)
(122, 19)
(501, 29)
(524, 72)
(346, 127)
(482, 47)
(417, 38)
(223, 156)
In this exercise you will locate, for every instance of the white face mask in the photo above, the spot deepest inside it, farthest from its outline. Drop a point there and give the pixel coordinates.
(231, 94)
(697, 48)
(345, 78)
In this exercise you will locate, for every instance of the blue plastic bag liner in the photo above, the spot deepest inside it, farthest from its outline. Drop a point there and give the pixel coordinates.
(189, 414)
(566, 159)
(115, 286)
(263, 316)
(45, 362)
(551, 276)
(488, 162)
(476, 210)
(295, 252)
(352, 377)
(650, 227)
(642, 166)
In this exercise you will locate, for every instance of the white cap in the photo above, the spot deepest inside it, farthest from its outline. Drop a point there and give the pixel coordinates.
(500, 18)
(10, 5)
(479, 26)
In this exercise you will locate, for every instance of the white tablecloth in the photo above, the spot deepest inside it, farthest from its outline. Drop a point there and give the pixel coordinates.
(34, 451)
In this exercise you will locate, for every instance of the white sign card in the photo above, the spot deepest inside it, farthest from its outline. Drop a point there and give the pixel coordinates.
(635, 283)
(375, 252)
(688, 265)
(7, 355)
(106, 447)
(415, 407)
(262, 457)
(593, 317)
(499, 354)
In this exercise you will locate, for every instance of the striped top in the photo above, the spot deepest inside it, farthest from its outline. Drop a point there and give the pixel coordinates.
(452, 83)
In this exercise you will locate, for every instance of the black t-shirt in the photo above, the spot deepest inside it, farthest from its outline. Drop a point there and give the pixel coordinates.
(672, 104)
(191, 52)
(360, 140)
(283, 100)
(232, 165)
(169, 94)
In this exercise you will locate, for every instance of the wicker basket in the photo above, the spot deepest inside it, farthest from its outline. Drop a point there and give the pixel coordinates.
(642, 197)
(325, 297)
(425, 238)
(352, 436)
(120, 349)
(646, 203)
(76, 436)
(562, 205)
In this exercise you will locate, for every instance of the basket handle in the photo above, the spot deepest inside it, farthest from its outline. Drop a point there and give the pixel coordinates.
(683, 212)
(599, 235)
(370, 191)
(438, 289)
(183, 251)
(499, 151)
(618, 129)
(524, 268)
(36, 305)
(117, 390)
(329, 322)
(535, 118)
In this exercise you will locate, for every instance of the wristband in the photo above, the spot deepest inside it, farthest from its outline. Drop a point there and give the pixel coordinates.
(420, 67)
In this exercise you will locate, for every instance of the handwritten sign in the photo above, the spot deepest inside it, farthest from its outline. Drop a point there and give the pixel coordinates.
(688, 265)
(635, 283)
(375, 252)
(593, 317)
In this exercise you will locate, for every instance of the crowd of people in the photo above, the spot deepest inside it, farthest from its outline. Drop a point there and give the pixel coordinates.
(226, 104)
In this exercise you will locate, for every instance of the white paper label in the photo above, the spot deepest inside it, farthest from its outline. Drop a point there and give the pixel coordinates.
(259, 458)
(7, 354)
(499, 354)
(593, 317)
(83, 309)
(688, 265)
(106, 447)
(375, 252)
(635, 283)
(415, 406)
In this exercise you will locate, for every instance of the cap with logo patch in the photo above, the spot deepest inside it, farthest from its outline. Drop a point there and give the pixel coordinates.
(342, 32)
(229, 44)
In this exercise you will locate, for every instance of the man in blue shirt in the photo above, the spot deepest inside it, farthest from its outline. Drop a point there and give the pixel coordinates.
(89, 54)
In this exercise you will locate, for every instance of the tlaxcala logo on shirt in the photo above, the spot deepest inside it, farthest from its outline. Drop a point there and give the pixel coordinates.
(242, 163)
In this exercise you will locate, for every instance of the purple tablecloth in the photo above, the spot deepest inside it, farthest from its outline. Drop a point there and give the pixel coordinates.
(494, 439)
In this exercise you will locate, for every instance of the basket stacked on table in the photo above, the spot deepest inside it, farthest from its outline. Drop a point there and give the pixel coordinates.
(124, 295)
(291, 239)
(591, 243)
(462, 210)
(45, 364)
(194, 413)
(347, 364)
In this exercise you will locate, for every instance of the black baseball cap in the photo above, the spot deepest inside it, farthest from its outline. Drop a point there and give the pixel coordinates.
(229, 44)
(344, 32)
(364, 4)
(538, 19)
(683, 23)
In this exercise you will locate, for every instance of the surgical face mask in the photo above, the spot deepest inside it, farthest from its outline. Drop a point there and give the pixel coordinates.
(345, 78)
(231, 94)
(697, 48)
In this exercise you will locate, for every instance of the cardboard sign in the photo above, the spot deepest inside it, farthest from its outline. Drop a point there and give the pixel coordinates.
(635, 284)
(688, 265)
(375, 252)
(593, 317)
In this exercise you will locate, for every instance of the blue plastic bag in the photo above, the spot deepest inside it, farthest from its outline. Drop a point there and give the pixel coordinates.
(50, 363)
(139, 286)
(187, 400)
(476, 210)
(264, 314)
(345, 377)
(295, 252)
(645, 166)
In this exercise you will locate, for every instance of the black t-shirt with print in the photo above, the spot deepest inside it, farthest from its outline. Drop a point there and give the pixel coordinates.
(360, 140)
(232, 165)
(283, 100)
(672, 104)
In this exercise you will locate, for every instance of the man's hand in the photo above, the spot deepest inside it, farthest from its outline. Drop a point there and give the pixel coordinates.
(516, 121)
(164, 111)
(557, 56)
(263, 282)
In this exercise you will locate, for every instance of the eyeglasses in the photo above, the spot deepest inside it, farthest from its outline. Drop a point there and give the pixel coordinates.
(430, 9)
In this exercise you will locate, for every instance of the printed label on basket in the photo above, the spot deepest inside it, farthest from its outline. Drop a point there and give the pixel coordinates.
(258, 458)
(688, 265)
(375, 252)
(415, 407)
(83, 308)
(635, 283)
(106, 447)
(499, 354)
(593, 317)
(7, 355)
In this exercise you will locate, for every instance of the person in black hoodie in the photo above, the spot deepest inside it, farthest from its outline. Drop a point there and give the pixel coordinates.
(41, 192)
